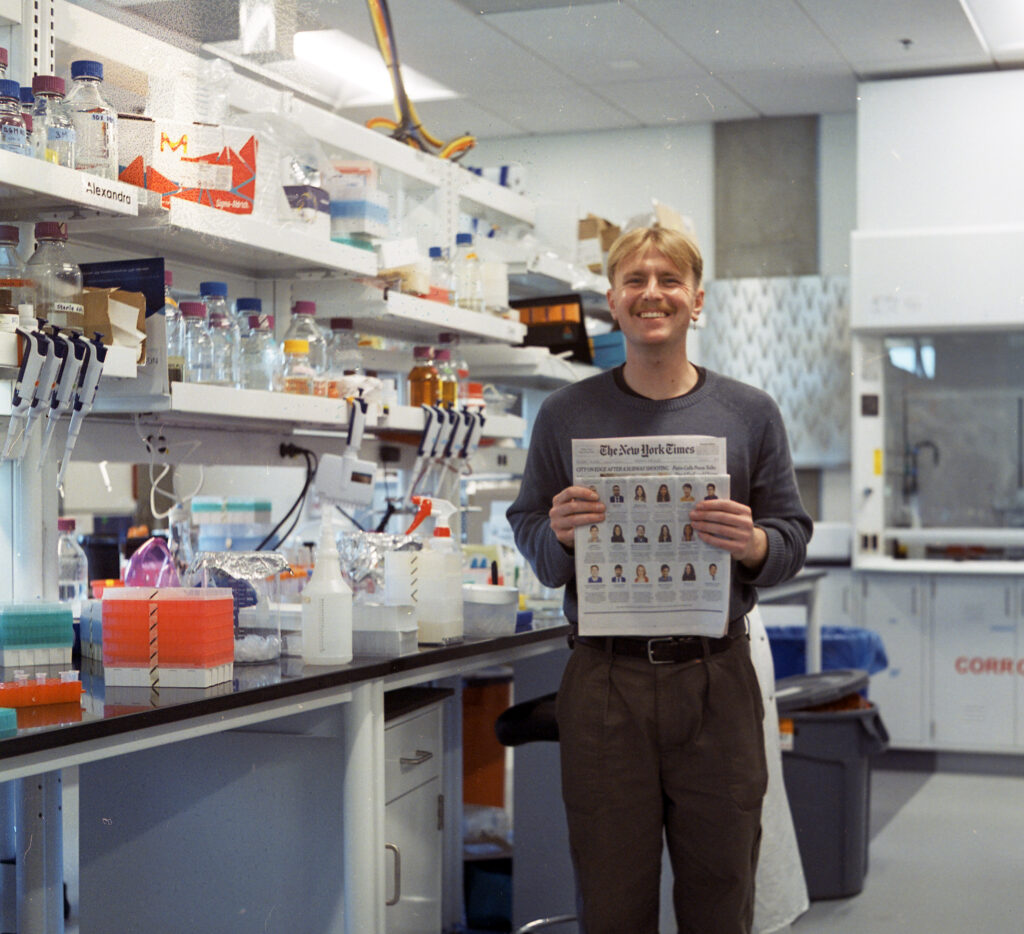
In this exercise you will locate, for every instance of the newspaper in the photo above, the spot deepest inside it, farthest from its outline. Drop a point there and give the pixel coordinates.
(644, 571)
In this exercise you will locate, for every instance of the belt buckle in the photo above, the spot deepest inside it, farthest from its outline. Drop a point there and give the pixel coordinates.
(650, 650)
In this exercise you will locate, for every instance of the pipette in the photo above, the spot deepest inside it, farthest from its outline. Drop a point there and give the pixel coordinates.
(89, 380)
(63, 394)
(33, 358)
(44, 387)
(432, 419)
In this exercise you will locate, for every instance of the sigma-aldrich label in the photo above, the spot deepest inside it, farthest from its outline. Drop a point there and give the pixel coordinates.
(100, 193)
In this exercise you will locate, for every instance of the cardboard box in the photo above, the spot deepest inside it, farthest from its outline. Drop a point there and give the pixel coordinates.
(211, 165)
(99, 311)
(594, 239)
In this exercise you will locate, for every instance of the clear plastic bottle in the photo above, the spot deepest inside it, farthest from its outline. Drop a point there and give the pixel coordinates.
(327, 606)
(94, 119)
(3, 62)
(447, 380)
(13, 132)
(442, 280)
(303, 326)
(225, 331)
(469, 286)
(343, 355)
(175, 332)
(297, 374)
(423, 379)
(13, 277)
(53, 130)
(450, 341)
(72, 567)
(196, 344)
(58, 280)
(261, 354)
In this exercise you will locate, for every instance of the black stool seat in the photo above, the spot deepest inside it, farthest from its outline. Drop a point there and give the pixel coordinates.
(529, 722)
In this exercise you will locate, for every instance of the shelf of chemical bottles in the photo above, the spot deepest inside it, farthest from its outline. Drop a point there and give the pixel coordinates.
(245, 244)
(32, 190)
(207, 405)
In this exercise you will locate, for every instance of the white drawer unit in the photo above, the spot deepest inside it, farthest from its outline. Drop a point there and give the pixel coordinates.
(414, 809)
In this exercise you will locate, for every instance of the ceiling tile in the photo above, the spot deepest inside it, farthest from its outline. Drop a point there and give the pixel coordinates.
(727, 34)
(795, 92)
(668, 101)
(595, 43)
(870, 33)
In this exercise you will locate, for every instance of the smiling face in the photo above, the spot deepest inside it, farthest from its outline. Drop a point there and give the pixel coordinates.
(653, 301)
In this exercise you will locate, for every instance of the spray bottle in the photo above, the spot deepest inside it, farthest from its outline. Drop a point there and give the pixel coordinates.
(439, 590)
(327, 606)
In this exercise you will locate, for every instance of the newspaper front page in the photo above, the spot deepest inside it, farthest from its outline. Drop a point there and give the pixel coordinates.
(644, 571)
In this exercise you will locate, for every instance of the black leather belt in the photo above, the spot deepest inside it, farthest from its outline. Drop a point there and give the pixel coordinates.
(664, 650)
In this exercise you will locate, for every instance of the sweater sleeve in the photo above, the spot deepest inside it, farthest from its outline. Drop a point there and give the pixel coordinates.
(776, 507)
(548, 471)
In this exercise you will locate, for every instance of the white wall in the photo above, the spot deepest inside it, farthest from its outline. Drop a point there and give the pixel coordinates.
(613, 174)
(837, 192)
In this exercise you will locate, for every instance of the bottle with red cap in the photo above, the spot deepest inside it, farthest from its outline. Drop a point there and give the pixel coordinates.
(303, 326)
(261, 355)
(58, 280)
(196, 343)
(13, 278)
(53, 130)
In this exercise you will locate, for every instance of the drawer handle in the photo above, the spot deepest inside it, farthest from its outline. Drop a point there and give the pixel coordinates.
(398, 873)
(422, 755)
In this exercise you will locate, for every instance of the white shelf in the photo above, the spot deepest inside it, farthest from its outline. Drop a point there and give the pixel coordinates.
(494, 198)
(406, 317)
(243, 244)
(528, 366)
(32, 190)
(208, 405)
(120, 361)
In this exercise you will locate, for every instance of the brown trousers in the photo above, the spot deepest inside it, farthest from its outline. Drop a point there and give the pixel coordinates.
(653, 752)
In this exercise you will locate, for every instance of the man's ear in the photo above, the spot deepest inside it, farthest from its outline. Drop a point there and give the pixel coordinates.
(698, 305)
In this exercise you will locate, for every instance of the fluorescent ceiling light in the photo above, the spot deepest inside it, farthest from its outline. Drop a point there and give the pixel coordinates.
(362, 68)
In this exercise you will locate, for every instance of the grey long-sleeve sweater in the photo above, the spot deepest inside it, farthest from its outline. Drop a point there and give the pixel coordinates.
(759, 465)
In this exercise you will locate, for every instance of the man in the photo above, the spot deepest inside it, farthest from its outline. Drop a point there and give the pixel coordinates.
(618, 577)
(616, 496)
(641, 535)
(663, 737)
(595, 575)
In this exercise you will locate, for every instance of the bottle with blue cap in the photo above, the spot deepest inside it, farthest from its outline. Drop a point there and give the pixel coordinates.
(225, 331)
(94, 119)
(13, 134)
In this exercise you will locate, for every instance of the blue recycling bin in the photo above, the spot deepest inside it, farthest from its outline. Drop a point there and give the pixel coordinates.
(842, 647)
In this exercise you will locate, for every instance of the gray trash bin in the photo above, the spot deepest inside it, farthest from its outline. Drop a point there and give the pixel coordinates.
(834, 732)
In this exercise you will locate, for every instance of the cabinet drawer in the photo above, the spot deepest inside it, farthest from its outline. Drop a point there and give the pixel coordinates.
(412, 751)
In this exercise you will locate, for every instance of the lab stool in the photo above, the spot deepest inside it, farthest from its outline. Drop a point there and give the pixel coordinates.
(530, 722)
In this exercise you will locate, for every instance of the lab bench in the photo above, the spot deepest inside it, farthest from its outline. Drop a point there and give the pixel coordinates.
(257, 805)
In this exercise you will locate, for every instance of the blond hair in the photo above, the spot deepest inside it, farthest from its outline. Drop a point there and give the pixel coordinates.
(681, 250)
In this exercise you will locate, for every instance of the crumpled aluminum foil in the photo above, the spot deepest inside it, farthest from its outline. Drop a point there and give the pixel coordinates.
(362, 557)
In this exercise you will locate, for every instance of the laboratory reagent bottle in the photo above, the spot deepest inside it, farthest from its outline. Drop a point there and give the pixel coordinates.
(196, 345)
(439, 594)
(13, 132)
(94, 119)
(58, 280)
(442, 285)
(304, 326)
(343, 356)
(327, 605)
(297, 375)
(468, 282)
(72, 567)
(261, 354)
(53, 130)
(13, 277)
(28, 100)
(226, 333)
(3, 62)
(423, 380)
(447, 380)
(175, 332)
(450, 341)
